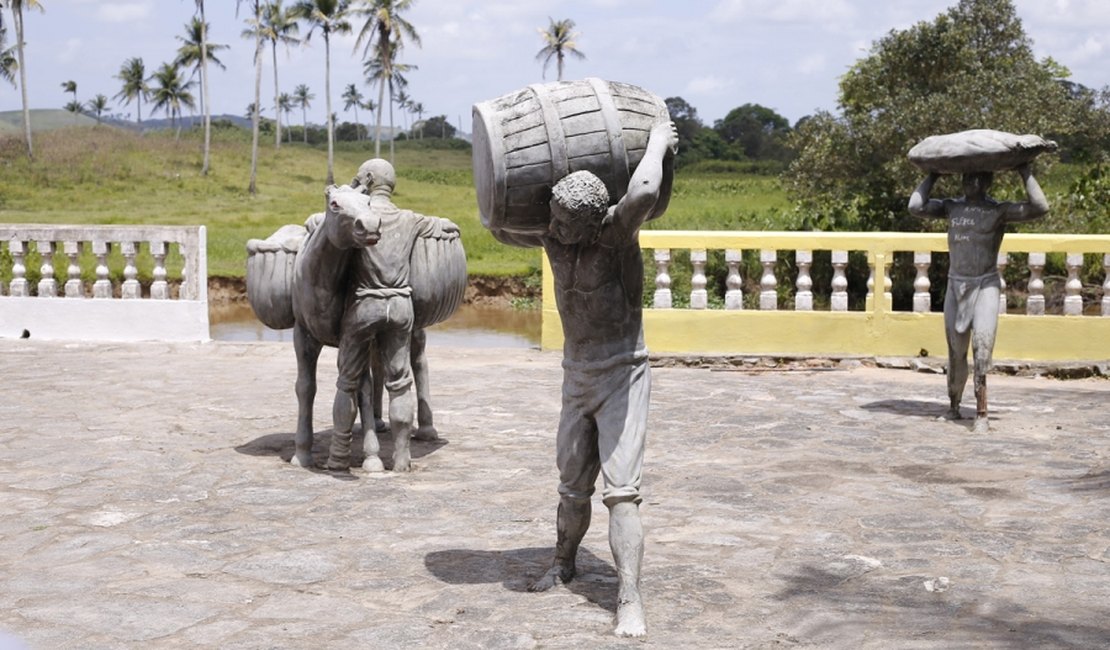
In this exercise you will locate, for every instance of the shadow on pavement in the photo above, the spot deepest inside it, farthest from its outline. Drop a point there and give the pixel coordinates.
(281, 445)
(911, 407)
(516, 569)
(906, 603)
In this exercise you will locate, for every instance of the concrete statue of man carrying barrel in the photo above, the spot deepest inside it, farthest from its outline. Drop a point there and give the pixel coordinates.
(596, 260)
(976, 224)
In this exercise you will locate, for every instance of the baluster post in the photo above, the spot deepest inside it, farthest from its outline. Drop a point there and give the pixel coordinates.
(803, 299)
(699, 297)
(839, 298)
(768, 296)
(1003, 262)
(159, 289)
(48, 286)
(1106, 285)
(131, 289)
(18, 286)
(74, 287)
(662, 298)
(922, 301)
(1034, 305)
(734, 293)
(102, 288)
(1073, 300)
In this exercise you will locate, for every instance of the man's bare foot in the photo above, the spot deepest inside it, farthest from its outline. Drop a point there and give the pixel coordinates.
(556, 575)
(630, 619)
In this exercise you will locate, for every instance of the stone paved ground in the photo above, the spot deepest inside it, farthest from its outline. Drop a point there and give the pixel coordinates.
(146, 503)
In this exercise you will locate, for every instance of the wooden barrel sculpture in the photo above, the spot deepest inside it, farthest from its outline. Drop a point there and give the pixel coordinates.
(524, 142)
(270, 275)
(438, 279)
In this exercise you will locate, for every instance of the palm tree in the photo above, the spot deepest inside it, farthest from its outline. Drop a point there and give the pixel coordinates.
(98, 105)
(392, 75)
(303, 98)
(71, 87)
(285, 107)
(171, 93)
(330, 17)
(369, 106)
(278, 27)
(197, 52)
(418, 110)
(254, 21)
(74, 107)
(402, 98)
(559, 41)
(17, 7)
(133, 75)
(8, 63)
(352, 97)
(386, 28)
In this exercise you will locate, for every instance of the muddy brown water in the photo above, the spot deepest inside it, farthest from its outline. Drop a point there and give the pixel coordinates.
(472, 326)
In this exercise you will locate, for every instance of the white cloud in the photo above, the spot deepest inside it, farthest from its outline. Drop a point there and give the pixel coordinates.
(709, 85)
(69, 51)
(811, 64)
(784, 11)
(122, 12)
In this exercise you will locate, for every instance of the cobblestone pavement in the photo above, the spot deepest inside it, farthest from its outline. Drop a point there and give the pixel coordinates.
(147, 504)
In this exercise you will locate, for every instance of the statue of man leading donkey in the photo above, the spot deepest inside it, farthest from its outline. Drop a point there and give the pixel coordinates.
(366, 277)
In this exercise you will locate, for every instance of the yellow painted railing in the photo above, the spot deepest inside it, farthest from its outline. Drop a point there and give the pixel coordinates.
(877, 330)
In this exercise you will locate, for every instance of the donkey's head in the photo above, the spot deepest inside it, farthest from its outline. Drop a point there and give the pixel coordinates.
(349, 222)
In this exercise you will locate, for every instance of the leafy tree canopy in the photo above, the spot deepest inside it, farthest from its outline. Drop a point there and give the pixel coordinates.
(758, 131)
(971, 67)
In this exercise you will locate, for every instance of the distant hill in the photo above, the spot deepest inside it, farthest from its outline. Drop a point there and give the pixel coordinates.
(48, 119)
(42, 119)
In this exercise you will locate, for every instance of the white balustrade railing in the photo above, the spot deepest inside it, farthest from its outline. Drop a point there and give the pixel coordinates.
(101, 311)
(828, 328)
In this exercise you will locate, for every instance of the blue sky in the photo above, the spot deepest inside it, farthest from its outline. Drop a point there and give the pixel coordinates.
(716, 54)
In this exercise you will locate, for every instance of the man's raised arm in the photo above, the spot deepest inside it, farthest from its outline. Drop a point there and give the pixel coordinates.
(646, 182)
(1037, 205)
(921, 205)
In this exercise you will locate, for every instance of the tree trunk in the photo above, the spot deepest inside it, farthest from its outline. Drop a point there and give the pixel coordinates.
(277, 106)
(378, 127)
(206, 105)
(391, 133)
(327, 93)
(253, 187)
(304, 118)
(17, 13)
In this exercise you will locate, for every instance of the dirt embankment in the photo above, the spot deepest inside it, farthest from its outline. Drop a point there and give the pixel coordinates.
(480, 290)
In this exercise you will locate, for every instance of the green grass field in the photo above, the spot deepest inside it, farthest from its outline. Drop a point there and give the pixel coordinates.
(108, 176)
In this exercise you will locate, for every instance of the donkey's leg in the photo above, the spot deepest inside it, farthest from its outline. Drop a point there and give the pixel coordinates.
(426, 429)
(307, 350)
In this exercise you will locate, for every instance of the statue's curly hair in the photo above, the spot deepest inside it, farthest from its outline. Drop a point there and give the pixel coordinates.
(583, 195)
